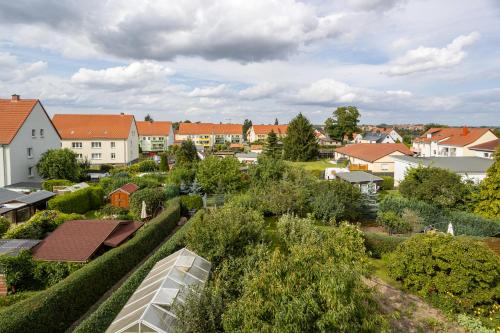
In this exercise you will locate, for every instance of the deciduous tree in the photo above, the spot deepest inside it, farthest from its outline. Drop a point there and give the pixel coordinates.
(59, 164)
(488, 198)
(344, 122)
(220, 175)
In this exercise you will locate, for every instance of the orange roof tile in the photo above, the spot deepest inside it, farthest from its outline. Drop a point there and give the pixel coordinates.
(371, 152)
(453, 136)
(256, 147)
(209, 128)
(160, 128)
(487, 146)
(13, 114)
(93, 126)
(266, 129)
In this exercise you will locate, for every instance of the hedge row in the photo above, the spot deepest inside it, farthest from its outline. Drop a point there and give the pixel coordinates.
(79, 202)
(56, 308)
(379, 244)
(48, 185)
(107, 311)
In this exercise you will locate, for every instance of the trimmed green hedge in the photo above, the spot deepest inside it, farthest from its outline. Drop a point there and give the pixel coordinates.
(107, 311)
(378, 244)
(191, 201)
(48, 185)
(55, 309)
(79, 202)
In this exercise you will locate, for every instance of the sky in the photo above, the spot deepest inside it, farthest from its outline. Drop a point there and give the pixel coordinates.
(398, 61)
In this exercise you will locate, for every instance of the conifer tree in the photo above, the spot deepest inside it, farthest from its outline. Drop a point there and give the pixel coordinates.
(300, 144)
(272, 148)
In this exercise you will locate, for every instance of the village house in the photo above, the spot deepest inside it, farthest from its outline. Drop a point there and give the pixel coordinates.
(260, 132)
(487, 149)
(100, 139)
(379, 135)
(208, 135)
(26, 132)
(155, 136)
(451, 141)
(374, 157)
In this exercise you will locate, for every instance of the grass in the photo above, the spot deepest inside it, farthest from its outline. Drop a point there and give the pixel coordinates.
(379, 269)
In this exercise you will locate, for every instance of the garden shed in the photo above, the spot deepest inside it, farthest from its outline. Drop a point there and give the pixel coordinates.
(150, 308)
(121, 196)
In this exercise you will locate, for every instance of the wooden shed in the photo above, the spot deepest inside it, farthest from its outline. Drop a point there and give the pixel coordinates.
(121, 196)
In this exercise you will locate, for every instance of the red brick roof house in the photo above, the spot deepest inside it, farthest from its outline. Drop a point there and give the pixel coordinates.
(121, 196)
(209, 134)
(155, 136)
(260, 132)
(486, 149)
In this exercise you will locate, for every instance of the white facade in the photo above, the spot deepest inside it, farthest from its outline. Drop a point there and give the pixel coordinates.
(210, 140)
(156, 143)
(441, 149)
(19, 158)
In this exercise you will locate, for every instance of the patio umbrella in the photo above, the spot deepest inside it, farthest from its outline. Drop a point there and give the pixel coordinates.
(144, 214)
(450, 229)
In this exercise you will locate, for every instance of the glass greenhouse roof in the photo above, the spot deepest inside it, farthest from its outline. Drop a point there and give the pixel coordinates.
(150, 308)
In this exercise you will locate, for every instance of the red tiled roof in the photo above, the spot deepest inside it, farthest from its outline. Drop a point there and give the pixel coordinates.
(236, 145)
(453, 136)
(159, 128)
(128, 188)
(371, 152)
(209, 128)
(256, 147)
(122, 232)
(13, 114)
(487, 146)
(78, 240)
(93, 126)
(265, 129)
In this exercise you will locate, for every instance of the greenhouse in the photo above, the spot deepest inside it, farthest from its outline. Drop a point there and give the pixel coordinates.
(150, 308)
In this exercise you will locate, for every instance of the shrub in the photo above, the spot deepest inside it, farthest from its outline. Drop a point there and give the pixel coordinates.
(460, 272)
(56, 308)
(335, 201)
(48, 273)
(4, 225)
(80, 201)
(18, 271)
(190, 202)
(113, 212)
(393, 223)
(473, 325)
(48, 185)
(379, 244)
(171, 191)
(220, 175)
(387, 183)
(144, 182)
(153, 197)
(145, 166)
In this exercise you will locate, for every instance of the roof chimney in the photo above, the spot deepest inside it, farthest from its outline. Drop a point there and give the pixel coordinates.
(15, 97)
(122, 113)
(465, 131)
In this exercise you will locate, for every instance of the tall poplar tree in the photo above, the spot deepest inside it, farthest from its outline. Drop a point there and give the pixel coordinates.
(300, 143)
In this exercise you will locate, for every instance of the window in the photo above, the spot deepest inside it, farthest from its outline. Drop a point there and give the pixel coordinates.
(79, 156)
(33, 133)
(41, 132)
(96, 156)
(76, 145)
(113, 156)
(96, 144)
(113, 144)
(31, 172)
(486, 155)
(30, 152)
(384, 167)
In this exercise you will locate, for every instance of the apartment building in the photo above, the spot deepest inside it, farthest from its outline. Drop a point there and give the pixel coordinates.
(208, 135)
(26, 132)
(99, 139)
(451, 142)
(155, 136)
(260, 132)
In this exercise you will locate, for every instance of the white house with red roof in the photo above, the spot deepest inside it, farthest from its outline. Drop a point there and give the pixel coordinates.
(100, 138)
(451, 142)
(155, 136)
(26, 132)
(260, 132)
(486, 149)
(208, 134)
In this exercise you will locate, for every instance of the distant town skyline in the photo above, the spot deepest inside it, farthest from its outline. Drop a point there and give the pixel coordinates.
(398, 61)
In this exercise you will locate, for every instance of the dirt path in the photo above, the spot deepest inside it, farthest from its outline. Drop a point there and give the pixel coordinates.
(409, 313)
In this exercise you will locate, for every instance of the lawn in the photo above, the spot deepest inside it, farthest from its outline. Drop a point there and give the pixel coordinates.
(315, 165)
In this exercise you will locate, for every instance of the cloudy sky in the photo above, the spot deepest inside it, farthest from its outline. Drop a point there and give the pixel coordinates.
(227, 60)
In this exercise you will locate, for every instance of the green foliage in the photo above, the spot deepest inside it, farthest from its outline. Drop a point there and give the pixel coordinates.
(48, 273)
(379, 244)
(18, 270)
(186, 155)
(48, 185)
(393, 223)
(153, 197)
(472, 324)
(488, 197)
(344, 121)
(246, 126)
(181, 175)
(192, 201)
(461, 272)
(164, 162)
(171, 191)
(267, 169)
(40, 224)
(112, 212)
(4, 225)
(387, 183)
(300, 143)
(272, 147)
(220, 175)
(56, 308)
(59, 164)
(80, 202)
(435, 186)
(144, 166)
(335, 201)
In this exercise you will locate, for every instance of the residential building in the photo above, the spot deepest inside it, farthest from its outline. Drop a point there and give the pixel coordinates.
(100, 138)
(324, 139)
(374, 157)
(486, 149)
(379, 135)
(468, 167)
(258, 149)
(451, 141)
(26, 132)
(155, 136)
(208, 135)
(260, 132)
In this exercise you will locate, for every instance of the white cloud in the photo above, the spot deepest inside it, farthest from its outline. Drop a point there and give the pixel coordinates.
(135, 74)
(261, 90)
(424, 59)
(215, 91)
(400, 43)
(11, 69)
(327, 91)
(373, 4)
(399, 93)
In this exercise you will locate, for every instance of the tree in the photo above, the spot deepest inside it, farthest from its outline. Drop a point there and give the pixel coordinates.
(148, 118)
(267, 169)
(344, 121)
(153, 197)
(276, 121)
(488, 197)
(435, 186)
(300, 144)
(272, 147)
(220, 175)
(187, 154)
(246, 126)
(59, 164)
(4, 225)
(164, 162)
(334, 201)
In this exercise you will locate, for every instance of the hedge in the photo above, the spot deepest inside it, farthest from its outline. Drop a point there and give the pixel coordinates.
(191, 201)
(99, 320)
(387, 183)
(57, 308)
(379, 244)
(48, 185)
(79, 202)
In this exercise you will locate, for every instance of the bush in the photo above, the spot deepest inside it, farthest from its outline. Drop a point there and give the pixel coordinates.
(153, 197)
(48, 273)
(80, 201)
(379, 244)
(460, 272)
(144, 166)
(393, 223)
(48, 185)
(18, 271)
(190, 202)
(4, 225)
(221, 175)
(387, 183)
(171, 191)
(335, 201)
(112, 212)
(56, 308)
